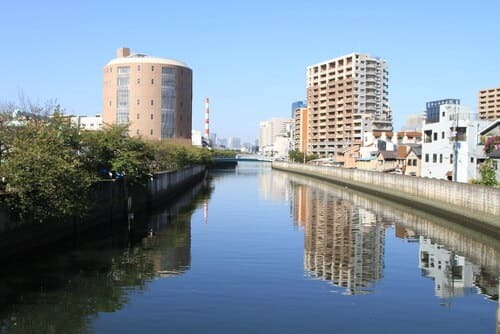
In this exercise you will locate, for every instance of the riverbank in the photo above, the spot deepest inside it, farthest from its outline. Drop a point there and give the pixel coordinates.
(471, 205)
(115, 201)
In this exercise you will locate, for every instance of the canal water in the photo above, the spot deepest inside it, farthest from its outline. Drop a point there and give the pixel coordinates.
(254, 250)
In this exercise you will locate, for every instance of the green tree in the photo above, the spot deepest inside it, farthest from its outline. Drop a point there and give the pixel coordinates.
(111, 150)
(42, 172)
(488, 177)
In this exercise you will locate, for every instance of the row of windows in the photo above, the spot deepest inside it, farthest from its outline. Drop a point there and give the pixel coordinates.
(435, 158)
(138, 132)
(150, 116)
(126, 69)
(122, 100)
(151, 132)
(411, 162)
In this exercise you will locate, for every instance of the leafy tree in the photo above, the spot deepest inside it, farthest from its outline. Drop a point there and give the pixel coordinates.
(112, 151)
(298, 156)
(488, 177)
(42, 171)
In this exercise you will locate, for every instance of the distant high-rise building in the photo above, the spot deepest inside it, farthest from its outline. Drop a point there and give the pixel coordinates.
(300, 130)
(153, 96)
(432, 109)
(489, 104)
(234, 143)
(341, 94)
(270, 130)
(297, 105)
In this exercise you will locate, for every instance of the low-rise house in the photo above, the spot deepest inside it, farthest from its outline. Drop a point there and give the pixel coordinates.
(490, 143)
(387, 161)
(413, 161)
(368, 163)
(349, 157)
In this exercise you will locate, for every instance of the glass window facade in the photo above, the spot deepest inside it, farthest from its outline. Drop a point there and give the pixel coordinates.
(432, 109)
(168, 102)
(122, 95)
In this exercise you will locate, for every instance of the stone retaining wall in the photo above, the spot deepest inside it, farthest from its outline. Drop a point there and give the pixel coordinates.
(467, 203)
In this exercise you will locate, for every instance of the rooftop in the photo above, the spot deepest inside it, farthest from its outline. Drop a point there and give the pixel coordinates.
(125, 57)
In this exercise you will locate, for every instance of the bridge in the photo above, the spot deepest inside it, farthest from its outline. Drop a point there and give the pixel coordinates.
(254, 157)
(229, 163)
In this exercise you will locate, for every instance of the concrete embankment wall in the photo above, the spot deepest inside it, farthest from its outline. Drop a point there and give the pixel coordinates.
(114, 200)
(165, 185)
(468, 204)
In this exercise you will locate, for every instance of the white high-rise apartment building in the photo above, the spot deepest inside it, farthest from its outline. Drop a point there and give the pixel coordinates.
(341, 94)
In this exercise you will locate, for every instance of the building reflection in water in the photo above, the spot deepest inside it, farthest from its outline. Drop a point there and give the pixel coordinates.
(453, 275)
(345, 235)
(344, 244)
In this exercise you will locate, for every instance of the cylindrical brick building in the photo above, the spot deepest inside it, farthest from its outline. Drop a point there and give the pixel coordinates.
(152, 95)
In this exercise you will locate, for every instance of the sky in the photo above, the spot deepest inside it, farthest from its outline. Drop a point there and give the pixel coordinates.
(250, 57)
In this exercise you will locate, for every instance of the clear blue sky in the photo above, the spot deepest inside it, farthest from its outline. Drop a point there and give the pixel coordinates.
(250, 57)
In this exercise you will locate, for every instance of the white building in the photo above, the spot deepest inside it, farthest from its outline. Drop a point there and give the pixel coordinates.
(87, 122)
(453, 275)
(450, 144)
(196, 138)
(272, 131)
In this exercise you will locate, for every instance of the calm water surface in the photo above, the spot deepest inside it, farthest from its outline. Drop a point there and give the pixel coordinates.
(261, 251)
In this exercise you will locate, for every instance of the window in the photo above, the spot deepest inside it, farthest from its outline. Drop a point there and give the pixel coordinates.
(151, 116)
(428, 136)
(471, 160)
(152, 102)
(451, 158)
(434, 157)
(151, 132)
(138, 102)
(152, 70)
(138, 80)
(427, 157)
(152, 81)
(442, 135)
(435, 135)
(137, 132)
(440, 158)
(138, 67)
(138, 116)
(414, 162)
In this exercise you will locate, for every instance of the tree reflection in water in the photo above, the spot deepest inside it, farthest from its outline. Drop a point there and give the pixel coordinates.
(61, 290)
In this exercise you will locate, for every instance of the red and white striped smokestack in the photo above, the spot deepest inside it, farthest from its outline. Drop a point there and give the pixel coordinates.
(207, 119)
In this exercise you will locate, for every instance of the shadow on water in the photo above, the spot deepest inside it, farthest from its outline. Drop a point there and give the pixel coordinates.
(60, 289)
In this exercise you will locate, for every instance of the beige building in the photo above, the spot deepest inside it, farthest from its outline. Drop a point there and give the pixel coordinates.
(489, 104)
(300, 130)
(152, 95)
(342, 95)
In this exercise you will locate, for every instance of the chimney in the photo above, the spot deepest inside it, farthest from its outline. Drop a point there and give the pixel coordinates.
(122, 52)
